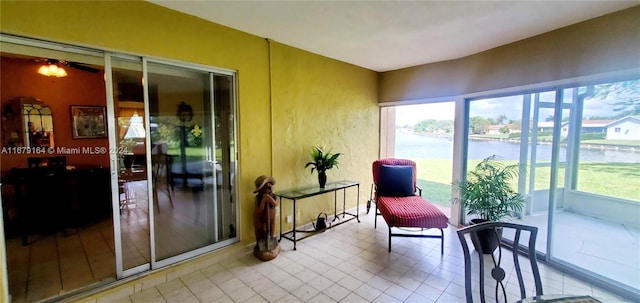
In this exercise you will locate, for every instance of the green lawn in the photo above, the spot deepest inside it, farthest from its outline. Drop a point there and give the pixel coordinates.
(635, 143)
(491, 136)
(547, 138)
(193, 152)
(621, 180)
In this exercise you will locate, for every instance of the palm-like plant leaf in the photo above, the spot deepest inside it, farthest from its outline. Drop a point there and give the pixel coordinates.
(322, 161)
(486, 191)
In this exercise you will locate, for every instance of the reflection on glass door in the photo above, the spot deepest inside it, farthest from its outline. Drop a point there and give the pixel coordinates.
(192, 139)
(133, 186)
(225, 155)
(59, 236)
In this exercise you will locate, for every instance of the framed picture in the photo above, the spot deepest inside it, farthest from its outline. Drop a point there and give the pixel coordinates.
(88, 121)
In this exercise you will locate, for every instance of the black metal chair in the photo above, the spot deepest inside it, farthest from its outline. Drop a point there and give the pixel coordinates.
(161, 175)
(54, 163)
(501, 272)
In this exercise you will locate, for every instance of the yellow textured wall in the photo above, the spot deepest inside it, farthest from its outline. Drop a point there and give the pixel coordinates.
(320, 101)
(315, 99)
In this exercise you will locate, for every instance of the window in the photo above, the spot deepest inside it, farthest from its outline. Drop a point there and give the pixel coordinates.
(577, 149)
(424, 134)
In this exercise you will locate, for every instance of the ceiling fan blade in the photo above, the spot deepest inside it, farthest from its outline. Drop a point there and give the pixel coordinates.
(83, 67)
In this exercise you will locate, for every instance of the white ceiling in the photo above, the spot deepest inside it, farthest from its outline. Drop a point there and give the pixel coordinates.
(389, 35)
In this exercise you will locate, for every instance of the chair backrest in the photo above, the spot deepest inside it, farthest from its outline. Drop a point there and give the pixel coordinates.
(160, 163)
(57, 162)
(501, 270)
(378, 164)
(139, 160)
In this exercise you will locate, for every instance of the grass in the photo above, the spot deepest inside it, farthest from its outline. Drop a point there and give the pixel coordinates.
(492, 136)
(620, 180)
(543, 138)
(198, 152)
(635, 143)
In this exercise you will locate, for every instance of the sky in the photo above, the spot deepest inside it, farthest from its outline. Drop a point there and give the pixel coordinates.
(412, 114)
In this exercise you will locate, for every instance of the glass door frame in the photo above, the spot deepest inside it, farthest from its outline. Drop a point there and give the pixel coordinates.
(555, 155)
(114, 167)
(210, 157)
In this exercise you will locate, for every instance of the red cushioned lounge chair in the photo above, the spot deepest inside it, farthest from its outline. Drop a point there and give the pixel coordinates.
(406, 213)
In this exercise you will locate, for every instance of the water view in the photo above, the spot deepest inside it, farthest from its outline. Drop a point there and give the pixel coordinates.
(412, 146)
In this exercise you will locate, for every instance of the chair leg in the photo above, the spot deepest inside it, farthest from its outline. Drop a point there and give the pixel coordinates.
(375, 217)
(155, 199)
(127, 197)
(389, 238)
(169, 195)
(441, 241)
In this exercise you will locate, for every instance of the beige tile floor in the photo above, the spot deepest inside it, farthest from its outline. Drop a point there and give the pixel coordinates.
(349, 263)
(55, 264)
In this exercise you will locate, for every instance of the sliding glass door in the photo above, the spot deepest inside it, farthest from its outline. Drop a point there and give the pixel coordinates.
(595, 224)
(192, 155)
(175, 158)
(577, 147)
(58, 231)
(131, 206)
(144, 154)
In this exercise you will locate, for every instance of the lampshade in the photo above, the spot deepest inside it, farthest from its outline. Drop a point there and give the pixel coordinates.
(52, 70)
(136, 127)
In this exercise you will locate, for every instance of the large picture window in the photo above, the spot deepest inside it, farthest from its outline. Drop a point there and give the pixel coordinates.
(424, 134)
(578, 152)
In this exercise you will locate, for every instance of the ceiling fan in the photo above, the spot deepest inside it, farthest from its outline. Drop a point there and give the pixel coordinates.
(71, 64)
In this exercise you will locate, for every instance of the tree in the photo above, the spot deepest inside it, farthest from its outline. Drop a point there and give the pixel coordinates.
(478, 125)
(624, 96)
(433, 126)
(446, 126)
(501, 119)
(551, 117)
(516, 124)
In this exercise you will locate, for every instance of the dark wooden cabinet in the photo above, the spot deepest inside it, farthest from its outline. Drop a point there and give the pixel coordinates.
(44, 200)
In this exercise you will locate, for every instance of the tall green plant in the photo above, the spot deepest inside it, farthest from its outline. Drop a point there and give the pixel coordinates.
(486, 191)
(322, 161)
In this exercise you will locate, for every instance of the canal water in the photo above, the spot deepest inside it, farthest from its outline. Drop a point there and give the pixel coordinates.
(410, 145)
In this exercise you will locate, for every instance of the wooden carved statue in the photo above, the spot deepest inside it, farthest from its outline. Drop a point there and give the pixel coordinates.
(264, 217)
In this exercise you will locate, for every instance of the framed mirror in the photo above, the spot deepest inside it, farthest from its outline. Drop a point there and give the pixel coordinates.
(89, 121)
(27, 122)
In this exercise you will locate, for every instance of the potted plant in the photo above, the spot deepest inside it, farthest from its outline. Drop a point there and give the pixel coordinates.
(322, 161)
(488, 194)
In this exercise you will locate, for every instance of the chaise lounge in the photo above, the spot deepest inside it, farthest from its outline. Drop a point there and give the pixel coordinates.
(406, 214)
